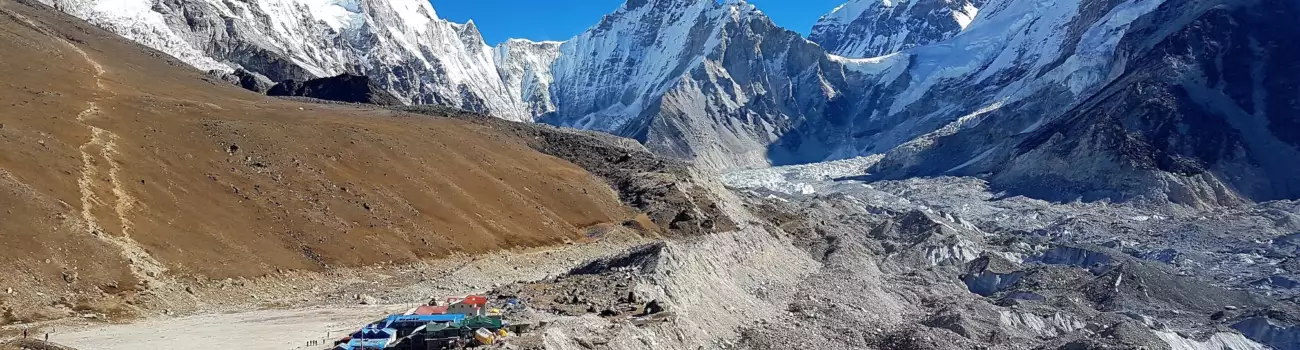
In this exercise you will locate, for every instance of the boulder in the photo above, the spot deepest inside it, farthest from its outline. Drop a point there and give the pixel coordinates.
(252, 81)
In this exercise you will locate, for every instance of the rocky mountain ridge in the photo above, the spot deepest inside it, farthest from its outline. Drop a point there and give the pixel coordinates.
(946, 87)
(1144, 106)
(712, 82)
(402, 44)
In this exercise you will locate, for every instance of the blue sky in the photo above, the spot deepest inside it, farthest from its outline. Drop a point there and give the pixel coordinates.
(563, 19)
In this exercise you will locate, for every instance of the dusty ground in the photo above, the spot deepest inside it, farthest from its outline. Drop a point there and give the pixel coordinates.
(125, 177)
(287, 311)
(263, 329)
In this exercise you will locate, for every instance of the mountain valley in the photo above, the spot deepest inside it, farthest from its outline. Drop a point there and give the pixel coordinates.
(913, 174)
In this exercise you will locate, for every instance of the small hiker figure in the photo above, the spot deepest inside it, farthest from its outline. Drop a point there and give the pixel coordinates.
(24, 333)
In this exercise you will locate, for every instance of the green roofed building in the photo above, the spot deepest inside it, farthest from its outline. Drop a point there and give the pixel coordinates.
(476, 322)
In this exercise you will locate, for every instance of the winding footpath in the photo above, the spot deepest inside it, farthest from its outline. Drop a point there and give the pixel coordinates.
(97, 154)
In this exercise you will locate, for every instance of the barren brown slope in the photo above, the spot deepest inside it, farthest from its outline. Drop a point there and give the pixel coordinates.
(120, 166)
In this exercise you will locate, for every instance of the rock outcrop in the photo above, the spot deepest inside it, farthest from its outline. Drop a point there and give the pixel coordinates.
(341, 88)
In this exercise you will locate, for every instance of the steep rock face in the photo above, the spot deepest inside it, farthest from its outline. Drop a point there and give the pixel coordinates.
(871, 28)
(696, 79)
(1184, 102)
(633, 55)
(525, 69)
(402, 44)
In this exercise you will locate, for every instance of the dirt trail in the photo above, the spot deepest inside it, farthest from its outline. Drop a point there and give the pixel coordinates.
(144, 266)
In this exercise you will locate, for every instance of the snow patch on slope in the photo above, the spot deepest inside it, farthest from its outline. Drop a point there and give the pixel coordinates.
(966, 15)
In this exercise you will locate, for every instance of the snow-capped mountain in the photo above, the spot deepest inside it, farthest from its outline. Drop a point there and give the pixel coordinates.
(714, 82)
(1188, 101)
(402, 44)
(870, 28)
(525, 69)
(1059, 99)
(699, 79)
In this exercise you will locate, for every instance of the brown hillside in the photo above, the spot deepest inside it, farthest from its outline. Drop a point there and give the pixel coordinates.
(120, 166)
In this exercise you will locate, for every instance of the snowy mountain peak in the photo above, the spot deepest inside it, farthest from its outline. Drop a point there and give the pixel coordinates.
(629, 55)
(869, 28)
(521, 41)
(414, 13)
(716, 82)
(470, 36)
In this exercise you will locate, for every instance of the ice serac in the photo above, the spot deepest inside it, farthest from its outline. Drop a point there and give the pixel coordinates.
(698, 79)
(525, 69)
(1190, 102)
(402, 44)
(871, 28)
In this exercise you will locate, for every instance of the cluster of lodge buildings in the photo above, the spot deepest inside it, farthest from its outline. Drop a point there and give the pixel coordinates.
(453, 324)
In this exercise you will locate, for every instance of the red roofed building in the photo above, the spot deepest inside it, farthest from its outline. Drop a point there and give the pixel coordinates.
(430, 310)
(473, 305)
